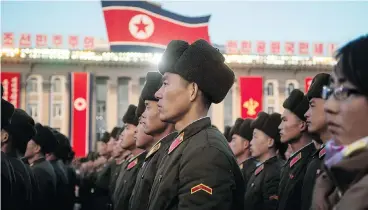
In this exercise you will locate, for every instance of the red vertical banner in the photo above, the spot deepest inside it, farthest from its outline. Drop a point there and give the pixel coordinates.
(251, 95)
(80, 112)
(308, 82)
(11, 84)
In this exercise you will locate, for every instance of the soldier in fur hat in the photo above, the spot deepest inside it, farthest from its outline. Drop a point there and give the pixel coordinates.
(317, 125)
(241, 135)
(41, 144)
(162, 134)
(21, 130)
(194, 77)
(262, 189)
(227, 133)
(127, 175)
(294, 131)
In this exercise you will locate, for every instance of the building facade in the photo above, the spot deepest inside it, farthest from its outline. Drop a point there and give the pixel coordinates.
(45, 89)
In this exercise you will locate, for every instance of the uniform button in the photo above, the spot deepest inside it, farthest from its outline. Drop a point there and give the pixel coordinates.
(142, 176)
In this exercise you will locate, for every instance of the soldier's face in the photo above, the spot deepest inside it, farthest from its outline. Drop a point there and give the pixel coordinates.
(143, 141)
(32, 149)
(174, 98)
(238, 145)
(101, 148)
(291, 126)
(151, 119)
(316, 119)
(260, 143)
(111, 144)
(128, 137)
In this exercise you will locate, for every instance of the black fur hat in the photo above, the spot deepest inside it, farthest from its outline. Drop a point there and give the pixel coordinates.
(227, 133)
(269, 124)
(63, 149)
(140, 109)
(246, 131)
(151, 86)
(200, 63)
(114, 132)
(45, 138)
(21, 121)
(297, 103)
(315, 89)
(130, 117)
(105, 137)
(236, 127)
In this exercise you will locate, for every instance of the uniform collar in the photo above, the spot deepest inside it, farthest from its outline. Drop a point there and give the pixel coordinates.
(196, 126)
(305, 147)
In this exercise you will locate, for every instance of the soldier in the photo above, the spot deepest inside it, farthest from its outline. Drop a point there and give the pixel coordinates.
(262, 189)
(102, 145)
(44, 172)
(241, 134)
(21, 130)
(7, 172)
(128, 175)
(227, 133)
(163, 134)
(317, 125)
(199, 171)
(294, 131)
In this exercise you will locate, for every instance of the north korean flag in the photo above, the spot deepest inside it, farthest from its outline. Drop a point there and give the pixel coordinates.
(140, 26)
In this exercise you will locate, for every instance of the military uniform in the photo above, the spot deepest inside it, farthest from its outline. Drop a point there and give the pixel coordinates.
(292, 178)
(247, 168)
(314, 169)
(146, 174)
(46, 178)
(7, 182)
(199, 171)
(102, 187)
(262, 189)
(126, 182)
(62, 184)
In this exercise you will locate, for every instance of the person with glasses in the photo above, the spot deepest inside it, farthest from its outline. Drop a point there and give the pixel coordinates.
(346, 110)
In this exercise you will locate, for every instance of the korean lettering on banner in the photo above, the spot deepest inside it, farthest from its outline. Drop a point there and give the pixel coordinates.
(318, 49)
(246, 47)
(332, 49)
(231, 47)
(57, 41)
(11, 85)
(289, 48)
(308, 82)
(275, 48)
(88, 43)
(73, 42)
(25, 40)
(261, 47)
(8, 39)
(251, 94)
(303, 48)
(41, 40)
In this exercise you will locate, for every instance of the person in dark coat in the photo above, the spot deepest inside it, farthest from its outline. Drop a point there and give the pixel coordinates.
(21, 130)
(294, 131)
(7, 172)
(241, 134)
(317, 125)
(162, 135)
(199, 170)
(262, 190)
(44, 172)
(227, 133)
(128, 174)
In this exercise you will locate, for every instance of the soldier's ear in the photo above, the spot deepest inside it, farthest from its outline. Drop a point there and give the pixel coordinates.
(246, 144)
(271, 142)
(4, 136)
(193, 88)
(37, 148)
(303, 126)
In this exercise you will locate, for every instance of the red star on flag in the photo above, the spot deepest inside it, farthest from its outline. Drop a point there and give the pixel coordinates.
(141, 26)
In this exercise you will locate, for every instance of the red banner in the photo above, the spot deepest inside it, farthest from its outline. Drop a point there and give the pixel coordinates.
(308, 82)
(251, 95)
(139, 25)
(80, 112)
(11, 84)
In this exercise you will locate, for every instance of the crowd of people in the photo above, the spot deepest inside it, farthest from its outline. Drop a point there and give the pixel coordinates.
(169, 156)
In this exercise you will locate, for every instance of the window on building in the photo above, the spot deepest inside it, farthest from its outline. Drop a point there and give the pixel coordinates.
(142, 80)
(123, 98)
(228, 108)
(57, 111)
(32, 85)
(270, 89)
(101, 90)
(32, 110)
(290, 88)
(270, 110)
(56, 85)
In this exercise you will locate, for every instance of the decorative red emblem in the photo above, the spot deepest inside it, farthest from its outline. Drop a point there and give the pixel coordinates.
(200, 187)
(176, 142)
(295, 159)
(259, 169)
(291, 176)
(132, 164)
(322, 153)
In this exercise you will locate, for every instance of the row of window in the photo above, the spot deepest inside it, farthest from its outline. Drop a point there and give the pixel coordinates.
(271, 87)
